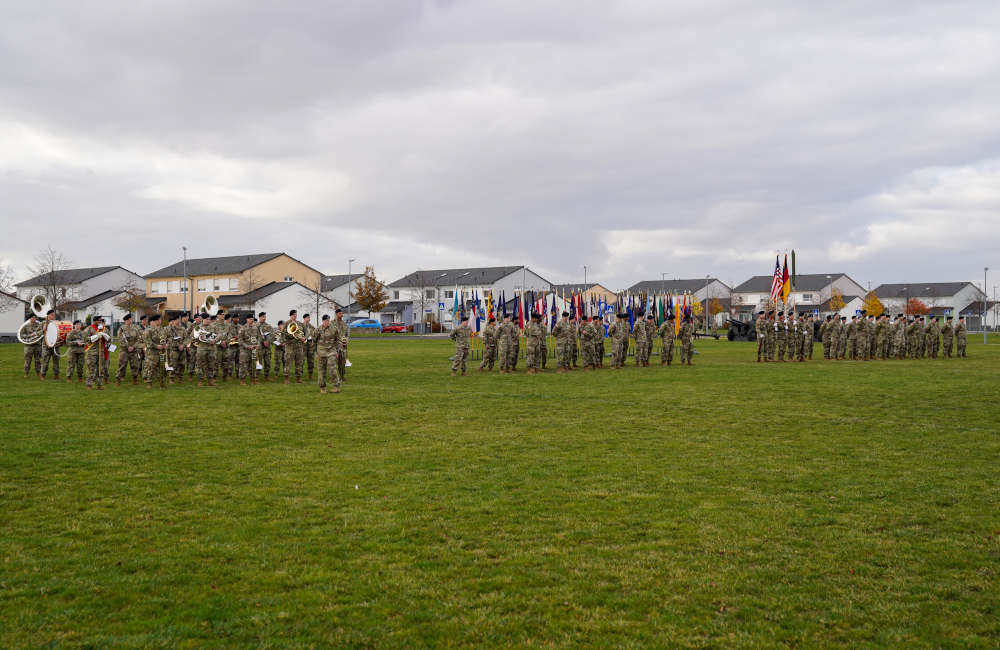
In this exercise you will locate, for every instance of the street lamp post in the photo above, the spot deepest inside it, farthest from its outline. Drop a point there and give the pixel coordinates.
(350, 298)
(186, 288)
(985, 269)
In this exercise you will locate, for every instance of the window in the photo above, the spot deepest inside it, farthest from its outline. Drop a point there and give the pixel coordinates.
(157, 287)
(219, 283)
(395, 295)
(174, 286)
(289, 278)
(203, 285)
(807, 297)
(62, 292)
(234, 284)
(449, 294)
(429, 293)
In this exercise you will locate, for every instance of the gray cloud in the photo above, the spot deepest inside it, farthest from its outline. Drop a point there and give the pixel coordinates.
(691, 138)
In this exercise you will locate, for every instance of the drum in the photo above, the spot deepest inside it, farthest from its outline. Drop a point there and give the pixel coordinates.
(56, 331)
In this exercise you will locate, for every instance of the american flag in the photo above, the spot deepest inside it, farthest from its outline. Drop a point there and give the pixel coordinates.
(777, 282)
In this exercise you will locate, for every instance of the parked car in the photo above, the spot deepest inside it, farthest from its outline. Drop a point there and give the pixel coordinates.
(365, 323)
(394, 328)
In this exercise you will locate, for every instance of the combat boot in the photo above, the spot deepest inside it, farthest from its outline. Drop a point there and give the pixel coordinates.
(118, 382)
(243, 382)
(286, 381)
(322, 390)
(200, 383)
(335, 389)
(454, 374)
(149, 385)
(298, 380)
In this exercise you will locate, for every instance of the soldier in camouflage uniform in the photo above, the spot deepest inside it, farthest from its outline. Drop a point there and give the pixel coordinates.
(919, 337)
(810, 341)
(129, 335)
(850, 336)
(230, 352)
(534, 333)
(98, 340)
(190, 350)
(933, 338)
(157, 348)
(563, 331)
(345, 337)
(461, 336)
(504, 345)
(76, 343)
(599, 342)
(279, 350)
(760, 326)
(861, 338)
(489, 345)
(686, 335)
(176, 350)
(294, 347)
(800, 337)
(206, 363)
(650, 336)
(33, 352)
(948, 334)
(574, 350)
(588, 333)
(249, 338)
(619, 341)
(826, 336)
(309, 347)
(961, 333)
(899, 337)
(770, 338)
(50, 355)
(639, 332)
(267, 333)
(328, 348)
(666, 334)
(780, 336)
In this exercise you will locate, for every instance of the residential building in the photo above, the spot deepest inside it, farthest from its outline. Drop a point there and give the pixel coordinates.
(340, 288)
(942, 298)
(277, 299)
(589, 290)
(225, 276)
(72, 285)
(432, 292)
(704, 289)
(13, 312)
(809, 293)
(106, 304)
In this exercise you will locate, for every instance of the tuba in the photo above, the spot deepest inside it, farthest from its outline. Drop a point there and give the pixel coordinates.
(211, 305)
(295, 332)
(33, 338)
(40, 305)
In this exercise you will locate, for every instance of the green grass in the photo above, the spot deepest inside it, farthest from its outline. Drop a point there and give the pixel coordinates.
(725, 504)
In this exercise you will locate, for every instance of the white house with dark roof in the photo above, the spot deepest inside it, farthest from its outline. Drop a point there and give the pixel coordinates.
(80, 284)
(943, 299)
(13, 313)
(432, 292)
(340, 288)
(701, 288)
(809, 292)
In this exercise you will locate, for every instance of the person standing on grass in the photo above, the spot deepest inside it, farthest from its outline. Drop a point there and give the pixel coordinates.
(345, 335)
(687, 341)
(619, 341)
(505, 335)
(327, 339)
(490, 346)
(534, 335)
(50, 355)
(33, 351)
(639, 333)
(948, 334)
(76, 341)
(961, 332)
(460, 335)
(563, 331)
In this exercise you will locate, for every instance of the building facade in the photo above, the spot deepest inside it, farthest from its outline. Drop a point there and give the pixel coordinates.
(225, 276)
(810, 293)
(941, 298)
(74, 285)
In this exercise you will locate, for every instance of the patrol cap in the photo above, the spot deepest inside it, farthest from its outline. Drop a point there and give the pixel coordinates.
(250, 317)
(843, 318)
(127, 317)
(154, 317)
(225, 317)
(650, 317)
(948, 318)
(292, 312)
(325, 317)
(338, 310)
(565, 313)
(305, 315)
(203, 315)
(262, 314)
(505, 315)
(51, 311)
(280, 322)
(801, 314)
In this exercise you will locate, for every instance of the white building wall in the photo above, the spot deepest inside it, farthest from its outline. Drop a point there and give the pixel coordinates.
(11, 315)
(113, 279)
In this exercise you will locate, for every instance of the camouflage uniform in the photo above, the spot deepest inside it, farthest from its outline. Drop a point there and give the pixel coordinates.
(851, 337)
(191, 351)
(267, 332)
(826, 336)
(33, 352)
(771, 338)
(49, 355)
(177, 351)
(960, 338)
(294, 350)
(490, 333)
(249, 338)
(505, 333)
(899, 338)
(780, 335)
(279, 350)
(639, 332)
(574, 352)
(686, 334)
(666, 334)
(345, 337)
(309, 347)
(760, 326)
(599, 342)
(328, 341)
(460, 335)
(810, 339)
(563, 331)
(228, 355)
(155, 357)
(932, 338)
(206, 363)
(76, 342)
(619, 342)
(95, 357)
(129, 336)
(534, 334)
(588, 337)
(948, 334)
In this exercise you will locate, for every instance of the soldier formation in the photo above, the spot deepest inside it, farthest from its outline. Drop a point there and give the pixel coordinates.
(209, 347)
(864, 338)
(578, 341)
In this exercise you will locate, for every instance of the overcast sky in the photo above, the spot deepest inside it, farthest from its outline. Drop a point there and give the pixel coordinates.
(690, 138)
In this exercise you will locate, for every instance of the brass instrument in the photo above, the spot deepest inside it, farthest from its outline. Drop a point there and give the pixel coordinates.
(211, 305)
(253, 355)
(40, 305)
(295, 332)
(29, 340)
(165, 351)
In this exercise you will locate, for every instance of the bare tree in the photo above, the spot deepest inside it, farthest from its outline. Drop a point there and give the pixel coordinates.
(48, 267)
(7, 286)
(133, 299)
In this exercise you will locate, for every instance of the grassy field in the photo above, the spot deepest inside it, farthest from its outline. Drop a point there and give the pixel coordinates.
(729, 503)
